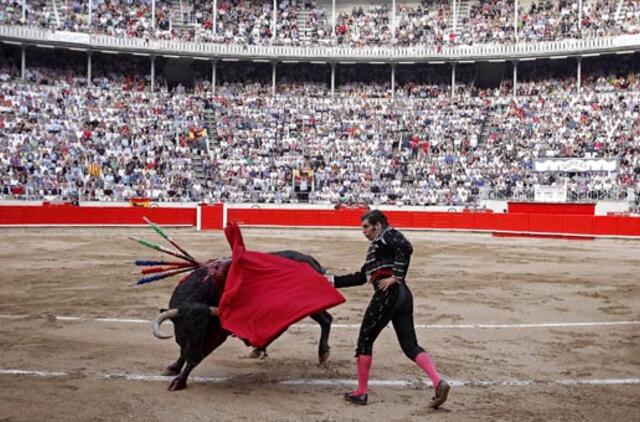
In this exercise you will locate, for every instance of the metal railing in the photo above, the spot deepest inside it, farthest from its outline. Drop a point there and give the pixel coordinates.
(528, 195)
(525, 195)
(573, 47)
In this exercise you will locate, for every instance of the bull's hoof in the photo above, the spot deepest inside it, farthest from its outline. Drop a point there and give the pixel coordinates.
(323, 357)
(257, 353)
(177, 384)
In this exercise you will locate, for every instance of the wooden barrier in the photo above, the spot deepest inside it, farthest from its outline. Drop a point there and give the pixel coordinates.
(68, 215)
(213, 217)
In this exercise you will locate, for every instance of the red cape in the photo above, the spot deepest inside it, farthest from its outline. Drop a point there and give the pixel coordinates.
(264, 294)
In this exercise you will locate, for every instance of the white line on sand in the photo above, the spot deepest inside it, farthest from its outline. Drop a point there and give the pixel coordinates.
(357, 326)
(321, 382)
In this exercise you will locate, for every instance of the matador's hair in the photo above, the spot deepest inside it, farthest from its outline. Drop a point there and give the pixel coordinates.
(374, 217)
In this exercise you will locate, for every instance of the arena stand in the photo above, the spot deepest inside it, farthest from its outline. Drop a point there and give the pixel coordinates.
(417, 105)
(338, 23)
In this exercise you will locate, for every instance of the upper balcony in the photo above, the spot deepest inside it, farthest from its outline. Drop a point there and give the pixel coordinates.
(331, 54)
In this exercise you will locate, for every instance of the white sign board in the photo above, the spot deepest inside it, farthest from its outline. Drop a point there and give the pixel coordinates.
(68, 36)
(544, 193)
(576, 165)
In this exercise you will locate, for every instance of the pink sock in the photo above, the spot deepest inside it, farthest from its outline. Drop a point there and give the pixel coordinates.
(424, 361)
(364, 366)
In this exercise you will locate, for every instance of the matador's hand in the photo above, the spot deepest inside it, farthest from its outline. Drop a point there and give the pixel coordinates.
(330, 278)
(385, 283)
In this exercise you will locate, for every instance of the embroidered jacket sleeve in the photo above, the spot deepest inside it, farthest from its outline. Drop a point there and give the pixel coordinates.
(348, 280)
(402, 251)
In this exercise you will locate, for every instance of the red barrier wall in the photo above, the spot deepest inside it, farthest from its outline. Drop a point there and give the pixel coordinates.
(70, 215)
(212, 217)
(296, 217)
(551, 208)
(562, 223)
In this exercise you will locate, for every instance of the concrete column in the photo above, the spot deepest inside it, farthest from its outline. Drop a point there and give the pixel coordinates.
(23, 62)
(333, 80)
(153, 14)
(274, 65)
(393, 81)
(89, 68)
(90, 11)
(453, 80)
(214, 68)
(579, 76)
(153, 73)
(24, 11)
(515, 79)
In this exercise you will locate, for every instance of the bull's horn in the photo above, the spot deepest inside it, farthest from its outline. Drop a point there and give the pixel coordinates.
(169, 314)
(213, 310)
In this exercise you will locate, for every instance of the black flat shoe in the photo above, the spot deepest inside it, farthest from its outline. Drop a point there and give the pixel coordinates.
(360, 399)
(441, 394)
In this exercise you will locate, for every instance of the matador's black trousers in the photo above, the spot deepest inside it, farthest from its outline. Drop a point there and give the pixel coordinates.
(396, 306)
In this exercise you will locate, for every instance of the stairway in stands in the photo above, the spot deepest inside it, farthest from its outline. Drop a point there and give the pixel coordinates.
(210, 125)
(201, 152)
(490, 121)
(52, 8)
(177, 15)
(305, 33)
(463, 8)
(621, 11)
(198, 167)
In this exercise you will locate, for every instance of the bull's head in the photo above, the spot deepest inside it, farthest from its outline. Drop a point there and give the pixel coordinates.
(171, 314)
(217, 270)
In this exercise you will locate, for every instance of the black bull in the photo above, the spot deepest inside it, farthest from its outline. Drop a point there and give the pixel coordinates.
(193, 310)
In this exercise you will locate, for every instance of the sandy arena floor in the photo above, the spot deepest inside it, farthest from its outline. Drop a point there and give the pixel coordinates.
(86, 369)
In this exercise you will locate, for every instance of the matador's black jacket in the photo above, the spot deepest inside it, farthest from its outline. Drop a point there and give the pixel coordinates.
(388, 254)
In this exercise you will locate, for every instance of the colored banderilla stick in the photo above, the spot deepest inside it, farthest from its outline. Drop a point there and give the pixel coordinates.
(150, 278)
(153, 270)
(168, 238)
(163, 249)
(149, 263)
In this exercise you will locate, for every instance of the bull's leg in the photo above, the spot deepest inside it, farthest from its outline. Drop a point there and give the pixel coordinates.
(180, 382)
(175, 367)
(214, 337)
(323, 318)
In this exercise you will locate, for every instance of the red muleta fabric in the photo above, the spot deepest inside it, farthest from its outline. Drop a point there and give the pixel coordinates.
(264, 294)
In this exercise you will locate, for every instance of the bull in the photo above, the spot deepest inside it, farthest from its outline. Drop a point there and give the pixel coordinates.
(193, 309)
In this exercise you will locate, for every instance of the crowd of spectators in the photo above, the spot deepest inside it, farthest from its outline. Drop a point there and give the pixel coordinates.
(364, 27)
(546, 21)
(551, 77)
(115, 139)
(35, 13)
(95, 144)
(587, 126)
(360, 151)
(304, 22)
(429, 23)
